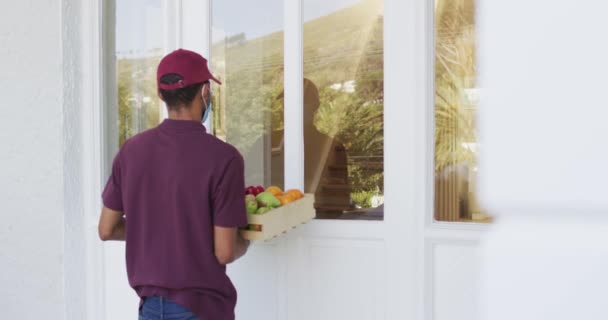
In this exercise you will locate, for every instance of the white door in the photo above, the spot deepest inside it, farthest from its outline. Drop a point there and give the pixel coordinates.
(329, 268)
(370, 63)
(412, 263)
(363, 268)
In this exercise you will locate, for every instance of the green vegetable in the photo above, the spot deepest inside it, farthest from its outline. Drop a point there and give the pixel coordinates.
(267, 199)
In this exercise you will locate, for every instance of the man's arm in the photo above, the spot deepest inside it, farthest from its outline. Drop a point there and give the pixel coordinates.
(229, 244)
(112, 225)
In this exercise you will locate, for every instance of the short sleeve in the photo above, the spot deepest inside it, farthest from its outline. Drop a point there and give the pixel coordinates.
(112, 193)
(229, 197)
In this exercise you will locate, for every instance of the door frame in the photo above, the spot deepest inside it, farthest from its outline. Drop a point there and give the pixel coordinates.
(433, 233)
(93, 18)
(409, 227)
(406, 153)
(98, 128)
(406, 102)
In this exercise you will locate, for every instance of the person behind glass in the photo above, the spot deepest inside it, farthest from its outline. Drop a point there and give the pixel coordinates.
(320, 152)
(175, 195)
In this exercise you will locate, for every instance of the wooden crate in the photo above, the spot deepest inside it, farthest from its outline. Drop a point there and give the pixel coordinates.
(280, 220)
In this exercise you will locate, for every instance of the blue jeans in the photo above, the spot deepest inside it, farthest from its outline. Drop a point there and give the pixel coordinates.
(159, 308)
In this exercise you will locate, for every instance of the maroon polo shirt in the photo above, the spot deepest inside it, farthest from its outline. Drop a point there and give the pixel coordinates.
(175, 183)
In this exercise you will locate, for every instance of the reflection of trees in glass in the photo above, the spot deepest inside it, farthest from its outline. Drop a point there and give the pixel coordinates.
(455, 111)
(252, 70)
(349, 71)
(342, 48)
(249, 108)
(246, 108)
(454, 83)
(138, 103)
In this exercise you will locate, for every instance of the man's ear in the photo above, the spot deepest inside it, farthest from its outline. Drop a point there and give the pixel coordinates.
(205, 90)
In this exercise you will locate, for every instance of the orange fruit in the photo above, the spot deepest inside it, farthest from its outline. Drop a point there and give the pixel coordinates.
(291, 194)
(295, 194)
(286, 198)
(276, 191)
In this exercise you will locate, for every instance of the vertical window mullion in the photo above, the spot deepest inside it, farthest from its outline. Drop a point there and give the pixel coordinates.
(110, 114)
(171, 31)
(293, 112)
(207, 48)
(196, 22)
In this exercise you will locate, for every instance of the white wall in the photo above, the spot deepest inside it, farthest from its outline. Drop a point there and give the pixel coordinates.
(35, 175)
(543, 162)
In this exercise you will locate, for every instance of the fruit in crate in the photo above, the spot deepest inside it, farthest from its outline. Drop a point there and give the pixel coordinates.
(295, 194)
(267, 199)
(251, 203)
(276, 191)
(285, 199)
(254, 190)
(281, 200)
(271, 219)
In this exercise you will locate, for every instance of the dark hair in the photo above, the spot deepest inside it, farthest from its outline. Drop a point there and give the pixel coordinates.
(179, 97)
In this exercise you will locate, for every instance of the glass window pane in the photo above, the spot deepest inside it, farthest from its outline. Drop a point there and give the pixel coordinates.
(138, 52)
(344, 107)
(247, 55)
(456, 96)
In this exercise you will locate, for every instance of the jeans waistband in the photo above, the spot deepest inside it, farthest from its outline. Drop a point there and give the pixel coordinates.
(164, 307)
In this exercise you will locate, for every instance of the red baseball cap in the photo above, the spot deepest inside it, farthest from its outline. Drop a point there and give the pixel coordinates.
(189, 65)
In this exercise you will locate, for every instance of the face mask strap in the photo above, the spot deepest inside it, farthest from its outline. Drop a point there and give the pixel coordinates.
(203, 94)
(207, 104)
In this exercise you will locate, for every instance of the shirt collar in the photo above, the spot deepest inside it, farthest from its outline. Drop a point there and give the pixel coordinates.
(182, 125)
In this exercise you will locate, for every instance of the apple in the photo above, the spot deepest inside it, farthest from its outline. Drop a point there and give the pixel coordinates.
(259, 189)
(251, 207)
(252, 190)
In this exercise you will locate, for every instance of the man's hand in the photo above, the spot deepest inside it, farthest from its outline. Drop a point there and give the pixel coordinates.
(112, 225)
(229, 245)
